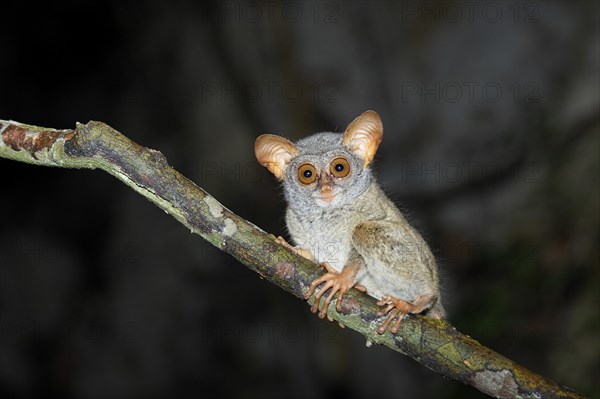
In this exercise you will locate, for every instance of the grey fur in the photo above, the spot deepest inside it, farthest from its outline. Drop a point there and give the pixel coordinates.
(348, 220)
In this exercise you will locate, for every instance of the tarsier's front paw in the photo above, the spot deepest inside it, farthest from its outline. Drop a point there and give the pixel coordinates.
(398, 308)
(300, 251)
(337, 283)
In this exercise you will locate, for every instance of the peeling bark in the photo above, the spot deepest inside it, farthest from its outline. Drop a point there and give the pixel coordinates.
(434, 343)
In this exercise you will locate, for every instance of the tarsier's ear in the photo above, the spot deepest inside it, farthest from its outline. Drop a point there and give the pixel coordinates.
(363, 136)
(274, 153)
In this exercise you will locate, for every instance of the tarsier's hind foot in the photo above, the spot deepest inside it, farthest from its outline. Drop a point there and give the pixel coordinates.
(398, 308)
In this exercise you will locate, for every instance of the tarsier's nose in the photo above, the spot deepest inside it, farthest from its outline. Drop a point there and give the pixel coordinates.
(325, 183)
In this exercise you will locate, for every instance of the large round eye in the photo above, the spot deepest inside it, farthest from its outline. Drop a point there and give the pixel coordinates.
(307, 173)
(339, 167)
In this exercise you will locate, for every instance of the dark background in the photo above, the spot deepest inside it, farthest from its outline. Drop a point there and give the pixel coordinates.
(491, 115)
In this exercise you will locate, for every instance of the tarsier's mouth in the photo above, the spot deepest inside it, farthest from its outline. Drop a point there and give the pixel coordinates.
(326, 198)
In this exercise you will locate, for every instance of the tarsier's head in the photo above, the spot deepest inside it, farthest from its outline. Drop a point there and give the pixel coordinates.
(325, 169)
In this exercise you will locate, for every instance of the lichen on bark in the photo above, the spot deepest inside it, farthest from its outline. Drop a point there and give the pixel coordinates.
(434, 343)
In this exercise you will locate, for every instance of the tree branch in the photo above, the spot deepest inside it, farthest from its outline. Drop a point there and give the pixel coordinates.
(434, 343)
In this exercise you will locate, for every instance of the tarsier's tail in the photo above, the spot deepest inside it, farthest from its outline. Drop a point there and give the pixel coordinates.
(436, 311)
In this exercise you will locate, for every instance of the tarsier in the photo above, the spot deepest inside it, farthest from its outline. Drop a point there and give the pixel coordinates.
(338, 216)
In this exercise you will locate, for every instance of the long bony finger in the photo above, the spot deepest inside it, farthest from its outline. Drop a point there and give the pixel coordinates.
(319, 294)
(387, 321)
(338, 302)
(397, 323)
(325, 307)
(313, 286)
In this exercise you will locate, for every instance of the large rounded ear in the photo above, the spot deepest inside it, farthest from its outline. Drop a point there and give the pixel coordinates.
(363, 136)
(274, 153)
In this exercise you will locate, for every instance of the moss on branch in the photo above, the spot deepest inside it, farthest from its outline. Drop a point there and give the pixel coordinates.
(434, 343)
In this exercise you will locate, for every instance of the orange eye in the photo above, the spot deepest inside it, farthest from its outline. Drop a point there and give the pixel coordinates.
(339, 167)
(307, 174)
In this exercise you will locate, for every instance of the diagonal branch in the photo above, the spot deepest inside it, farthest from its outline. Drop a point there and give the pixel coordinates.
(434, 343)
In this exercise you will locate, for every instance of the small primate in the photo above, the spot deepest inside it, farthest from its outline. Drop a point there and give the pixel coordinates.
(338, 216)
